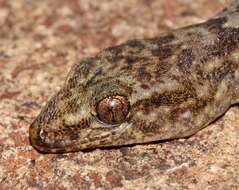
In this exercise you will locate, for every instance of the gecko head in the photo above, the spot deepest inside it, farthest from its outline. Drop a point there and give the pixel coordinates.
(93, 109)
(111, 100)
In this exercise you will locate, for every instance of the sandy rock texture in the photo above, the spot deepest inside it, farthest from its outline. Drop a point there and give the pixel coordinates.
(40, 41)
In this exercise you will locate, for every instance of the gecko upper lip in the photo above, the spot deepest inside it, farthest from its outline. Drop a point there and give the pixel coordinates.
(43, 144)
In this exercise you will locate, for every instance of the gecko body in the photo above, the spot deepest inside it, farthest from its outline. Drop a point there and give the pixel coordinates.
(145, 90)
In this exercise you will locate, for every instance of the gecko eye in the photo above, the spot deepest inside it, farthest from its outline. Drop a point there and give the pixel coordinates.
(113, 109)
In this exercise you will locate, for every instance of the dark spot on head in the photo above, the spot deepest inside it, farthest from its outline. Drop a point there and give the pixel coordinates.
(74, 136)
(143, 74)
(145, 86)
(151, 127)
(185, 59)
(127, 52)
(169, 37)
(114, 55)
(162, 52)
(132, 59)
(170, 98)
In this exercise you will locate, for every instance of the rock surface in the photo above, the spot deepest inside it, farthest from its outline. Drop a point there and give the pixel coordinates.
(40, 40)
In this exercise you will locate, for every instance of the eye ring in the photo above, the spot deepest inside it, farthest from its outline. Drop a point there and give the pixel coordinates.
(113, 110)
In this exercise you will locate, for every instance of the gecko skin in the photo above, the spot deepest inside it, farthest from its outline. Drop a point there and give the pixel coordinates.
(145, 90)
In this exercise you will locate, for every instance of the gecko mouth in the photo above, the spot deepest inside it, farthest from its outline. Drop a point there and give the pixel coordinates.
(70, 140)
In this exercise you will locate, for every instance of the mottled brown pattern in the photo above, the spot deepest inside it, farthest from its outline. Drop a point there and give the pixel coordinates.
(165, 99)
(185, 59)
(176, 83)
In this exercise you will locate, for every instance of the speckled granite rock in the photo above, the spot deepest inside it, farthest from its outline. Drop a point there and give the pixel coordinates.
(40, 40)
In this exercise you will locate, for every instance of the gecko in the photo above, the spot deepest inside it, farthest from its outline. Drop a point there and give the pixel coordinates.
(145, 90)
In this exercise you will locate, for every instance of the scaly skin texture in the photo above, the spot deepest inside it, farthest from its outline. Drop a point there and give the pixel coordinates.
(176, 84)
